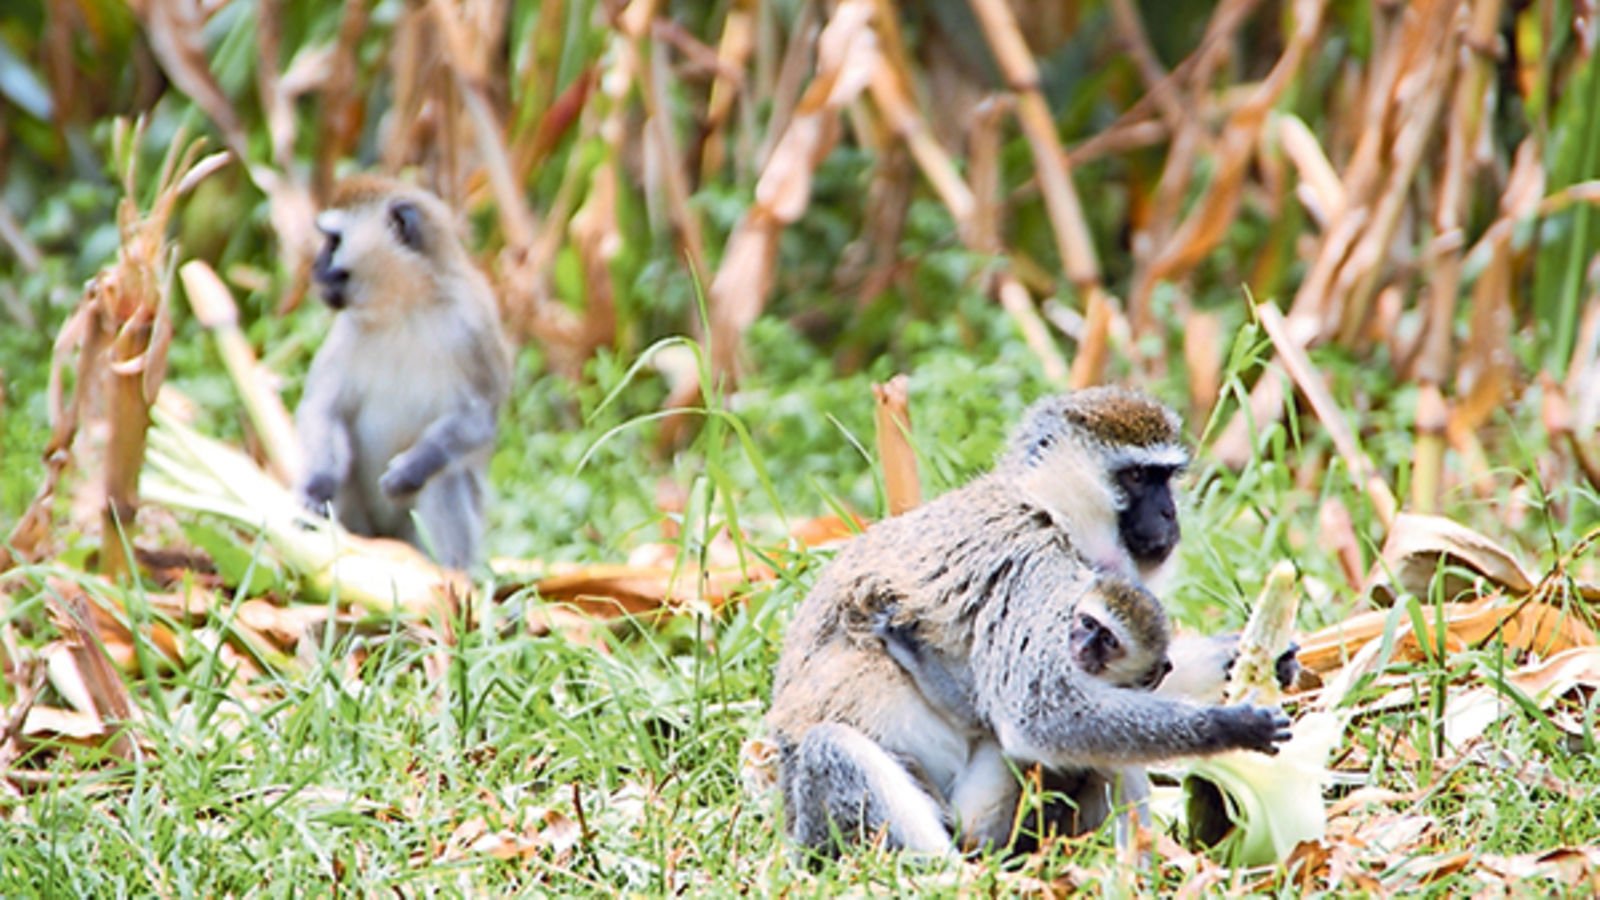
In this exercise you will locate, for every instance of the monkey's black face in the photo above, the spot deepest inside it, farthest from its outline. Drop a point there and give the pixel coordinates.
(1094, 646)
(1096, 649)
(1148, 522)
(330, 278)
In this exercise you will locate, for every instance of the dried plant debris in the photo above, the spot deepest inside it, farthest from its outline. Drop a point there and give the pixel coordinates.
(1360, 237)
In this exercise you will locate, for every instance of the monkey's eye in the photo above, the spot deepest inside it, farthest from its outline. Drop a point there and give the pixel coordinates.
(406, 222)
(1097, 633)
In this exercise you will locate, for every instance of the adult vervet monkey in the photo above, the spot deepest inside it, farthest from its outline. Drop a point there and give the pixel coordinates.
(987, 580)
(401, 405)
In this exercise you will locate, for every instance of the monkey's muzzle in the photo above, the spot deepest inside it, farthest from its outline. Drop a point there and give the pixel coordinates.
(1149, 531)
(332, 280)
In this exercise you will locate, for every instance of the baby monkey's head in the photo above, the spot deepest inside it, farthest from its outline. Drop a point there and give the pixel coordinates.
(386, 245)
(1119, 634)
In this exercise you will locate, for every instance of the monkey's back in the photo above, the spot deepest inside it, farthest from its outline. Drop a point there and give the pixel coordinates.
(933, 568)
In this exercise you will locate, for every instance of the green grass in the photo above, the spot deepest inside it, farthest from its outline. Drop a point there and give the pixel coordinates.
(354, 768)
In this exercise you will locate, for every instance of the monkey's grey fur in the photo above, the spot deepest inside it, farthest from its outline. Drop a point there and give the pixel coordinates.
(1112, 609)
(401, 405)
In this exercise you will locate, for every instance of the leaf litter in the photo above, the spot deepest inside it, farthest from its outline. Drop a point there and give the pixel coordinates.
(1511, 642)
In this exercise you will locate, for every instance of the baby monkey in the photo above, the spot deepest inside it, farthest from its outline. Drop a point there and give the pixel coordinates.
(401, 405)
(1118, 634)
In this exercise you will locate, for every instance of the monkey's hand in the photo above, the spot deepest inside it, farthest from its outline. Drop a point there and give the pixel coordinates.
(884, 628)
(318, 491)
(1287, 667)
(899, 641)
(409, 471)
(1246, 727)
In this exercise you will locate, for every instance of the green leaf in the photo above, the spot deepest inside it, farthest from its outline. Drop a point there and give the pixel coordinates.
(249, 570)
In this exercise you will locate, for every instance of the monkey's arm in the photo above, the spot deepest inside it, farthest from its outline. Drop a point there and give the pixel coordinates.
(1044, 708)
(1067, 720)
(937, 683)
(448, 438)
(324, 436)
(486, 373)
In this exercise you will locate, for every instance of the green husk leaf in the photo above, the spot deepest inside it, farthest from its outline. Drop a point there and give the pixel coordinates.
(1254, 808)
(188, 471)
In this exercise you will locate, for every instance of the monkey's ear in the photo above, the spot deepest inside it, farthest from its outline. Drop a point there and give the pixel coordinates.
(330, 222)
(406, 220)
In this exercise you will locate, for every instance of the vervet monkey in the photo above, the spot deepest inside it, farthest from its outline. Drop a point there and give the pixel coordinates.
(399, 414)
(989, 577)
(1119, 634)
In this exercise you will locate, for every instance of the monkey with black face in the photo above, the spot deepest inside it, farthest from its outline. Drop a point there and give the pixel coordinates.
(1119, 635)
(402, 402)
(1101, 463)
(989, 576)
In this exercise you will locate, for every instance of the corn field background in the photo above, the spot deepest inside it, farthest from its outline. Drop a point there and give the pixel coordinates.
(1354, 243)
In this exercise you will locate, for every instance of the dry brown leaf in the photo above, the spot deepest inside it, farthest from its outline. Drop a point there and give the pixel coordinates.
(609, 590)
(827, 529)
(1306, 864)
(1394, 835)
(546, 831)
(1426, 868)
(240, 667)
(1417, 545)
(112, 621)
(56, 724)
(100, 683)
(285, 625)
(1364, 797)
(1469, 715)
(1530, 625)
(1569, 867)
(892, 412)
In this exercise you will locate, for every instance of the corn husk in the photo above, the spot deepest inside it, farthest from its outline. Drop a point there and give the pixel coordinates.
(1254, 677)
(187, 471)
(1254, 806)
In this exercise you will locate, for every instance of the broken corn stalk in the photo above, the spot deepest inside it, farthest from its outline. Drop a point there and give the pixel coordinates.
(186, 470)
(1254, 677)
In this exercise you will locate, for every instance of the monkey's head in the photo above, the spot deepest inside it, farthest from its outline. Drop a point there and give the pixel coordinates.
(1103, 460)
(385, 244)
(1119, 634)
